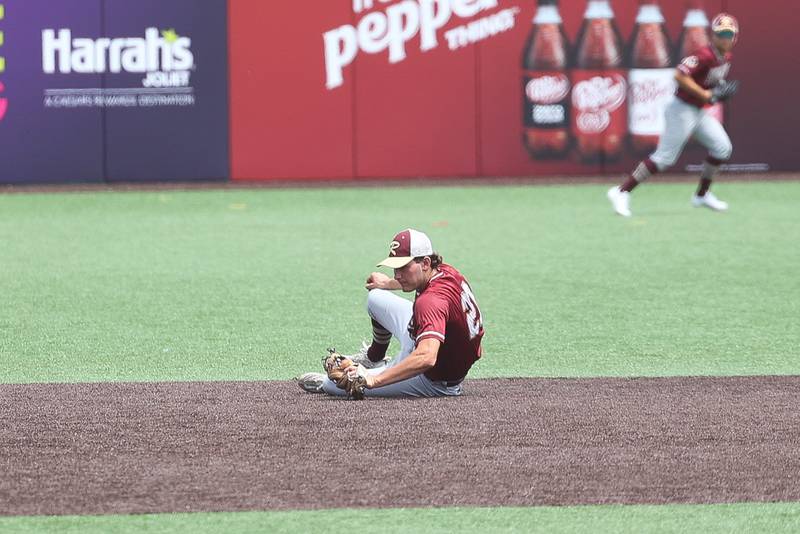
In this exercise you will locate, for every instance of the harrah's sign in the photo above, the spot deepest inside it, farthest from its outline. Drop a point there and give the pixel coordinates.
(394, 27)
(165, 57)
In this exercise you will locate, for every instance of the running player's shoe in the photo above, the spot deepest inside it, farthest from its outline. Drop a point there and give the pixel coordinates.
(620, 200)
(362, 358)
(311, 382)
(709, 200)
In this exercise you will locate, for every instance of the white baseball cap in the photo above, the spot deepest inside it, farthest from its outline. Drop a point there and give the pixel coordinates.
(725, 24)
(406, 246)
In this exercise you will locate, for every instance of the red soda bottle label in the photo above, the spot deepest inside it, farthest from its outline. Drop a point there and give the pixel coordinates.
(650, 92)
(546, 118)
(598, 111)
(546, 99)
(651, 80)
(546, 85)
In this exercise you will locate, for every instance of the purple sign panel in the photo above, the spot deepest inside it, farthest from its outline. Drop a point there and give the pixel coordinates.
(39, 144)
(168, 74)
(115, 90)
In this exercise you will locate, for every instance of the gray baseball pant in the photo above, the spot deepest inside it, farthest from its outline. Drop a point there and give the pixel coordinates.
(394, 313)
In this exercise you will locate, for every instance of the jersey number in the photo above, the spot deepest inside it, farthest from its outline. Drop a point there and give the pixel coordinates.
(470, 307)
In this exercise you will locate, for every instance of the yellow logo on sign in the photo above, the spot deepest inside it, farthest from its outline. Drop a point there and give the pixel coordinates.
(2, 38)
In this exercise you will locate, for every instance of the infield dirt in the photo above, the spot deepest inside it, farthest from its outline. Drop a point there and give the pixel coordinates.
(223, 446)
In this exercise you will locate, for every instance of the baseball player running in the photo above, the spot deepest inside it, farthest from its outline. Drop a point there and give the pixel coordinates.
(701, 83)
(440, 332)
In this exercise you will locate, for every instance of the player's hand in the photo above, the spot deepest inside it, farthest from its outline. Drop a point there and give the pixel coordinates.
(370, 381)
(724, 90)
(378, 281)
(355, 371)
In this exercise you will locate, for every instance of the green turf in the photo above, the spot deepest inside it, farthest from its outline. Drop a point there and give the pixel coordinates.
(255, 284)
(774, 518)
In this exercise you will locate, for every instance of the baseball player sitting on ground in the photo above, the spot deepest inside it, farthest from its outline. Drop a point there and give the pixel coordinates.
(440, 333)
(701, 83)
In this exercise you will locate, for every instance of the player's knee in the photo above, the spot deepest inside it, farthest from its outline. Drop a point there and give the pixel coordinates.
(663, 161)
(723, 151)
(376, 299)
(663, 165)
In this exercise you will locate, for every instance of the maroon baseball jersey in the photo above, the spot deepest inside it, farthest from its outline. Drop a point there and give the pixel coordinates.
(706, 67)
(446, 310)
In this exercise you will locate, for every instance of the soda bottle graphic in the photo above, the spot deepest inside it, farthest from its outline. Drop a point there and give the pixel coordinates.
(695, 32)
(546, 85)
(651, 80)
(694, 36)
(599, 114)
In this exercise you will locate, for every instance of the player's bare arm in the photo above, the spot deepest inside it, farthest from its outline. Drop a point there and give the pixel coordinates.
(419, 361)
(381, 281)
(688, 84)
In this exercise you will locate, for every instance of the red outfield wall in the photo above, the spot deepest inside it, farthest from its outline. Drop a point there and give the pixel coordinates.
(399, 111)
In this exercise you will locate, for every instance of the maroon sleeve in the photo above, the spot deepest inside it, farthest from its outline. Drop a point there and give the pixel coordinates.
(697, 62)
(690, 65)
(430, 316)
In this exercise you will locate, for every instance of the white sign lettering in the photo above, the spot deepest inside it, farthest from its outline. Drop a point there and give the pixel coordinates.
(152, 53)
(400, 22)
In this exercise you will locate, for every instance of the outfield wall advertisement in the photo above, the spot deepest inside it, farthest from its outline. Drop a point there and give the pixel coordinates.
(114, 90)
(40, 144)
(406, 88)
(123, 90)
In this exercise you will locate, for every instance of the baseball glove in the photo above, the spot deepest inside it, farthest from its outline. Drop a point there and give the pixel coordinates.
(345, 374)
(724, 90)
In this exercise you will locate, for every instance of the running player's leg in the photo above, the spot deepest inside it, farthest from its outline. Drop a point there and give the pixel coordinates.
(680, 120)
(712, 135)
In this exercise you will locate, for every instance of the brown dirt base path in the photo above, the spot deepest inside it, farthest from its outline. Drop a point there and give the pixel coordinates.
(214, 446)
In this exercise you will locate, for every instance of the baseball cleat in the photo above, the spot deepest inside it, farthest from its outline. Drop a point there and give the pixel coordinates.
(362, 359)
(709, 200)
(620, 201)
(311, 382)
